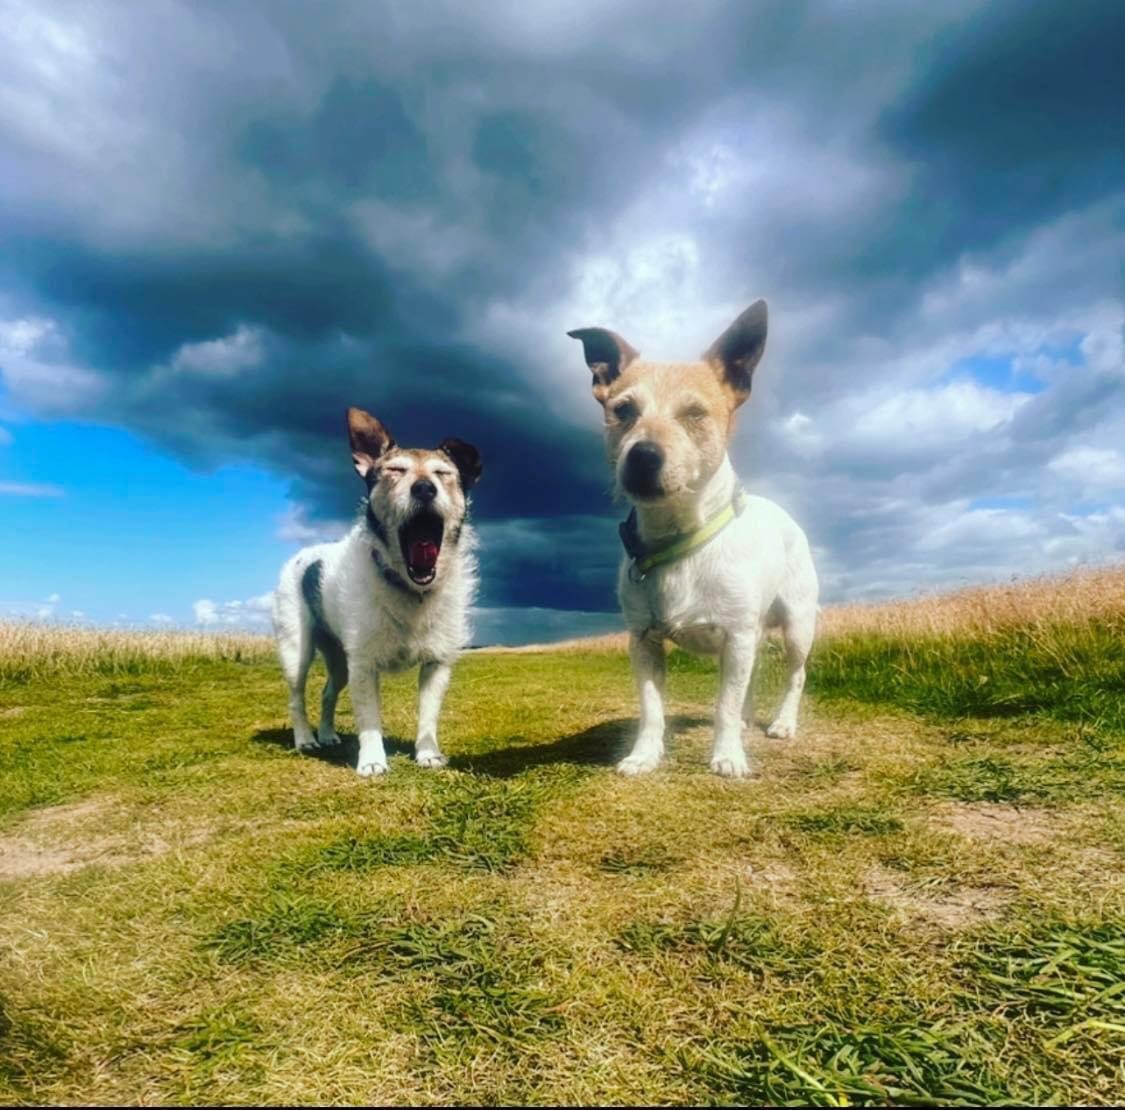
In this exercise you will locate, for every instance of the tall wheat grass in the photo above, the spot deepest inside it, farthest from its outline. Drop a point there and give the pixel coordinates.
(1075, 598)
(29, 650)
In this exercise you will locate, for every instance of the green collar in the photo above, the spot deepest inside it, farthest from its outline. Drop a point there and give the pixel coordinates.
(646, 559)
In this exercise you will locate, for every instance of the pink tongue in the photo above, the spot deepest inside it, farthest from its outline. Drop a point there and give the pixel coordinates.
(423, 555)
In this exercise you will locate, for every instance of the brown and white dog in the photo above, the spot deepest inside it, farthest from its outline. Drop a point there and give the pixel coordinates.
(394, 593)
(706, 565)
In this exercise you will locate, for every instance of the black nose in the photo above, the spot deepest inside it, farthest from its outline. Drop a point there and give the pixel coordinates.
(642, 468)
(423, 490)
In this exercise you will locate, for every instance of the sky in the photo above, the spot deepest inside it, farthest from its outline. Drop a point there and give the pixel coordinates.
(221, 224)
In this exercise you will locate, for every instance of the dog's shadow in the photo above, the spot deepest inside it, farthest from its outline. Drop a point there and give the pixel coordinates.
(601, 745)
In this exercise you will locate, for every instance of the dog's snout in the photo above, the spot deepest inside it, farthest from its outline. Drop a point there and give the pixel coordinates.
(423, 490)
(643, 464)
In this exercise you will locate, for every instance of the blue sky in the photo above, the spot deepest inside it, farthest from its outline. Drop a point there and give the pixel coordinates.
(225, 223)
(122, 532)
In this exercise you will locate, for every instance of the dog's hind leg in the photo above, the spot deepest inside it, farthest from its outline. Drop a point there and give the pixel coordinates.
(295, 649)
(336, 661)
(799, 629)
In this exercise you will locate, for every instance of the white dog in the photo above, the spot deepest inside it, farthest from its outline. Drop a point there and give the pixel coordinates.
(394, 593)
(706, 565)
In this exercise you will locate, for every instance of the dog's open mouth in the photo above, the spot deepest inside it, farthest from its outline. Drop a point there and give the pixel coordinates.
(420, 538)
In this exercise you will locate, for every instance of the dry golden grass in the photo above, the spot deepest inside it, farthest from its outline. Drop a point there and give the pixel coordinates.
(1076, 597)
(30, 650)
(611, 641)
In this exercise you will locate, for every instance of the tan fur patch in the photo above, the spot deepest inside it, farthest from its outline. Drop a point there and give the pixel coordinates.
(417, 463)
(683, 407)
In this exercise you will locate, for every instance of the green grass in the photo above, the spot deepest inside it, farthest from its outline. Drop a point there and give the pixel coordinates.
(1073, 672)
(921, 900)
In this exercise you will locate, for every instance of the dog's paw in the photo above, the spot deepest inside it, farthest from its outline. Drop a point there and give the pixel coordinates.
(731, 766)
(639, 764)
(306, 743)
(430, 759)
(370, 770)
(328, 739)
(782, 730)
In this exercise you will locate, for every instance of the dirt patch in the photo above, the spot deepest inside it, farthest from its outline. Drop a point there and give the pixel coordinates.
(13, 710)
(949, 907)
(66, 838)
(771, 874)
(999, 823)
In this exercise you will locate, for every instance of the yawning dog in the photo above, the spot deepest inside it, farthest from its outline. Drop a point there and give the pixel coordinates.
(706, 565)
(394, 593)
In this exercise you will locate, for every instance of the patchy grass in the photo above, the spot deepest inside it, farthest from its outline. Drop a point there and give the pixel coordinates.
(921, 900)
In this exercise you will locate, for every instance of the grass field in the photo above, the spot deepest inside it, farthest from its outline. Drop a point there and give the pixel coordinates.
(921, 899)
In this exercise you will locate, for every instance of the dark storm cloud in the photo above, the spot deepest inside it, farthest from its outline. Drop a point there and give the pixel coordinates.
(361, 186)
(1014, 117)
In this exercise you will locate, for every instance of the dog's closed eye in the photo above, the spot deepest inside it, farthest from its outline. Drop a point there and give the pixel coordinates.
(693, 411)
(625, 411)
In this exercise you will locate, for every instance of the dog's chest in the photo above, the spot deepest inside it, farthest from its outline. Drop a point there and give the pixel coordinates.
(700, 639)
(679, 603)
(405, 639)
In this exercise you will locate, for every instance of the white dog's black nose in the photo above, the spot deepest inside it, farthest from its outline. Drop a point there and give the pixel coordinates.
(423, 490)
(642, 468)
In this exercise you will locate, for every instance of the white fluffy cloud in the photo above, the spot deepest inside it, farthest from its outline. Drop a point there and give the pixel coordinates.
(294, 526)
(1094, 469)
(253, 614)
(241, 350)
(37, 372)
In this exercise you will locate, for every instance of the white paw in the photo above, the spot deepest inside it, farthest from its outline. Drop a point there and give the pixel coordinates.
(306, 743)
(430, 759)
(639, 764)
(731, 766)
(782, 730)
(328, 739)
(369, 769)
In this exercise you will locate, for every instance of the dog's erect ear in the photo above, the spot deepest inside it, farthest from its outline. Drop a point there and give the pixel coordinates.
(736, 352)
(607, 355)
(467, 460)
(369, 440)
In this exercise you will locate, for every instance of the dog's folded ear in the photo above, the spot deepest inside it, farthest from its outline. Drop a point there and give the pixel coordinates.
(466, 458)
(737, 351)
(369, 440)
(607, 356)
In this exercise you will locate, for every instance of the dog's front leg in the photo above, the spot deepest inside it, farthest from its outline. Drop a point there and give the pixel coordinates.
(736, 665)
(369, 717)
(433, 681)
(647, 656)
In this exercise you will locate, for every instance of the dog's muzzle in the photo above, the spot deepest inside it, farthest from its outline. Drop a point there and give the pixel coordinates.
(643, 465)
